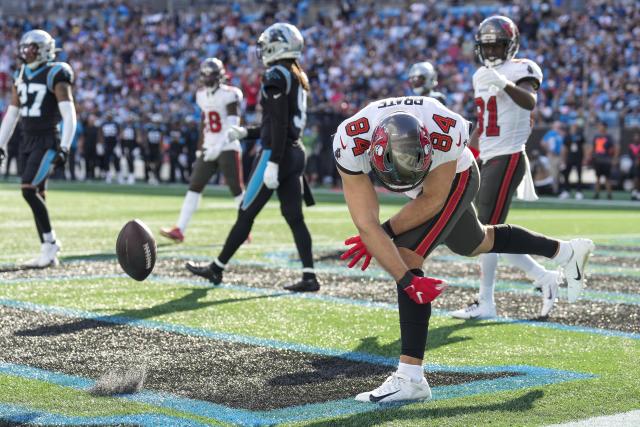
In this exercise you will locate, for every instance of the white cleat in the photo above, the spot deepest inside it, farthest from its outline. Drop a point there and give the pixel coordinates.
(47, 258)
(549, 284)
(397, 388)
(574, 269)
(476, 310)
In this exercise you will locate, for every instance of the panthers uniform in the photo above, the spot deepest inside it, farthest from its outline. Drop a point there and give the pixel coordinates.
(504, 128)
(39, 117)
(456, 224)
(110, 135)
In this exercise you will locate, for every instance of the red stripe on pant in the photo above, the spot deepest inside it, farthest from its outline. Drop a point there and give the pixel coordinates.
(239, 170)
(504, 188)
(449, 209)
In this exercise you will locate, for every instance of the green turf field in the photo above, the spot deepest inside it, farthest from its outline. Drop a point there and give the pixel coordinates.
(246, 352)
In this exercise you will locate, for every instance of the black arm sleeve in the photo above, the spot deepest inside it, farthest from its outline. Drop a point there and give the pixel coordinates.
(277, 105)
(253, 132)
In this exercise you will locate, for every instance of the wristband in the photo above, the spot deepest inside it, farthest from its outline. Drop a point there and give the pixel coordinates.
(405, 280)
(386, 226)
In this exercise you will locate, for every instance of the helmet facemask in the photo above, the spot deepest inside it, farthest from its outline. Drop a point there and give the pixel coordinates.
(36, 47)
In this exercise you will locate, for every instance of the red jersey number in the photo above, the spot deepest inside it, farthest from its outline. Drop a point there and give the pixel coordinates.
(492, 107)
(215, 125)
(358, 127)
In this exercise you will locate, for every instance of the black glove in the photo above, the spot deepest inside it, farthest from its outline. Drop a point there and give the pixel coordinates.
(61, 157)
(1, 156)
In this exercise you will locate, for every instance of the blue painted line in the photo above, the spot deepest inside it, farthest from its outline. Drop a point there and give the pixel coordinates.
(25, 415)
(256, 180)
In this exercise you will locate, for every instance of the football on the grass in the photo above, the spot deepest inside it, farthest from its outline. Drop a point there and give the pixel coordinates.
(136, 249)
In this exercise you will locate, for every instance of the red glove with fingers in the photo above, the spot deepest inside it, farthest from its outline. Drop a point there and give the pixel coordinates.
(422, 290)
(358, 251)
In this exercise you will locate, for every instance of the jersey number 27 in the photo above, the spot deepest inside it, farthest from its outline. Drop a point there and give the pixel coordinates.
(24, 89)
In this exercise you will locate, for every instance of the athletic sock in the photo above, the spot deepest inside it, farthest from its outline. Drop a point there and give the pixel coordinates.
(218, 266)
(414, 372)
(414, 322)
(513, 239)
(189, 206)
(565, 252)
(49, 237)
(528, 265)
(488, 266)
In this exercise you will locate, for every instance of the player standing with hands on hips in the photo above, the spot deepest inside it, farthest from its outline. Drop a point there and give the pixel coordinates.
(505, 96)
(283, 97)
(40, 97)
(417, 146)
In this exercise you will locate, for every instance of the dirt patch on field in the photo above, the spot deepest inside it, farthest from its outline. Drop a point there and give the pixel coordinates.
(232, 374)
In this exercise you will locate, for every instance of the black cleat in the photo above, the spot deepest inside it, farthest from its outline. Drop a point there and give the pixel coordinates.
(206, 271)
(304, 285)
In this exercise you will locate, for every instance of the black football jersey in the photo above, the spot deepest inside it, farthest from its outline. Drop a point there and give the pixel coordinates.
(281, 78)
(38, 104)
(154, 134)
(110, 131)
(129, 133)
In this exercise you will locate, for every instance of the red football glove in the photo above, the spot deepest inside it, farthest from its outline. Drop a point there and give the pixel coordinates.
(358, 251)
(422, 290)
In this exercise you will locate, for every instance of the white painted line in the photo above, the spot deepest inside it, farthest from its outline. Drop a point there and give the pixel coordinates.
(619, 420)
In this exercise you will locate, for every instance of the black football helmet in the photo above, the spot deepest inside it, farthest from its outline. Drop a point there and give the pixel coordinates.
(497, 40)
(212, 72)
(400, 152)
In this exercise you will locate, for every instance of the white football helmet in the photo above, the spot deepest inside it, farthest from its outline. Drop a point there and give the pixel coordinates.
(46, 47)
(280, 41)
(422, 78)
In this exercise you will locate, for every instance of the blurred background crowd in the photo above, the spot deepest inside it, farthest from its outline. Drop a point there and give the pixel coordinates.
(136, 65)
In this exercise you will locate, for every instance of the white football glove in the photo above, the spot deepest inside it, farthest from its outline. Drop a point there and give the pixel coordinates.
(491, 77)
(209, 154)
(271, 176)
(237, 132)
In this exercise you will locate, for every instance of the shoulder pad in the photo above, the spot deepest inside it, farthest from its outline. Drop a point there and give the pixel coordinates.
(277, 76)
(59, 72)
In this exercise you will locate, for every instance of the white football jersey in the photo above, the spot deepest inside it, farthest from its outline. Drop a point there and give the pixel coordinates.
(448, 131)
(504, 126)
(213, 103)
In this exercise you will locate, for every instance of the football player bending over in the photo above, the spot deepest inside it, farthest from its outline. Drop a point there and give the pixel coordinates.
(281, 164)
(505, 96)
(417, 146)
(41, 96)
(220, 105)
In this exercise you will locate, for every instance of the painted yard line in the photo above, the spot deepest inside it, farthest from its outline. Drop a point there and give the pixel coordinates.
(18, 414)
(631, 418)
(349, 301)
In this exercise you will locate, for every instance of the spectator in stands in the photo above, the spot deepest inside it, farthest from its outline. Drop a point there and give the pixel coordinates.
(603, 156)
(572, 158)
(552, 146)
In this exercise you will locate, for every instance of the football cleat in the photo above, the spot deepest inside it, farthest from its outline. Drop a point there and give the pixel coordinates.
(478, 309)
(549, 284)
(206, 271)
(47, 258)
(173, 234)
(304, 285)
(397, 388)
(574, 269)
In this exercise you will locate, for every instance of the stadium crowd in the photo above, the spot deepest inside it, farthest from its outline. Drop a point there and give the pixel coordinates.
(141, 66)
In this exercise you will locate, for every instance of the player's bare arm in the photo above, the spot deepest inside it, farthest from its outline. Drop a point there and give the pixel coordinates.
(435, 190)
(362, 202)
(233, 109)
(523, 94)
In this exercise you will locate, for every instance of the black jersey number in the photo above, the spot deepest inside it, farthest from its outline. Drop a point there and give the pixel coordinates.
(24, 89)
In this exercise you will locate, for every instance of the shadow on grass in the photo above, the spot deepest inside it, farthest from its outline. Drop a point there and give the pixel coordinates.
(424, 414)
(188, 302)
(438, 337)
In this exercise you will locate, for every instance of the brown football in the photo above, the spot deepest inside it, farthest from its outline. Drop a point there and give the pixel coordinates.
(136, 249)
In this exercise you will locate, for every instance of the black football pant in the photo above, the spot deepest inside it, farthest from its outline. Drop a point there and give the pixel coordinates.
(257, 195)
(571, 164)
(110, 156)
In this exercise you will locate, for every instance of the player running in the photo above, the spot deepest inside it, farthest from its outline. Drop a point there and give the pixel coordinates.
(220, 106)
(41, 96)
(281, 164)
(505, 96)
(417, 146)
